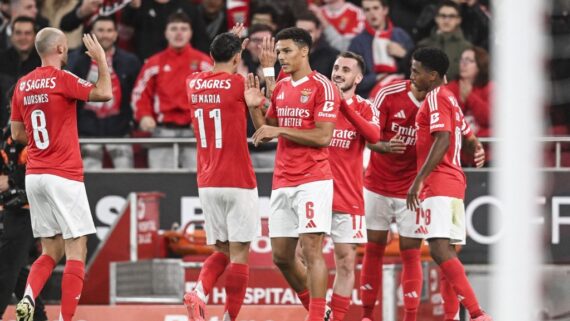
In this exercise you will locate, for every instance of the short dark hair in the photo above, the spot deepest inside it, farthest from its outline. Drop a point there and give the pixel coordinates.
(384, 3)
(259, 27)
(22, 19)
(105, 18)
(433, 59)
(309, 16)
(355, 56)
(225, 46)
(178, 16)
(449, 3)
(300, 36)
(267, 9)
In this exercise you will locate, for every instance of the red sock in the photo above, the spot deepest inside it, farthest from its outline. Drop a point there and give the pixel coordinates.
(371, 278)
(411, 282)
(305, 298)
(455, 275)
(317, 309)
(236, 284)
(213, 267)
(39, 274)
(450, 301)
(339, 306)
(71, 286)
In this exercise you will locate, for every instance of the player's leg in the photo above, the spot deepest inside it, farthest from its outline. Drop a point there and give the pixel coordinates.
(411, 275)
(284, 233)
(73, 275)
(286, 259)
(410, 243)
(444, 218)
(378, 217)
(450, 300)
(313, 205)
(243, 227)
(237, 278)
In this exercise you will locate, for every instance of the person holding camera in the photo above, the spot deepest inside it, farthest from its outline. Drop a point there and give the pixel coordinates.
(16, 239)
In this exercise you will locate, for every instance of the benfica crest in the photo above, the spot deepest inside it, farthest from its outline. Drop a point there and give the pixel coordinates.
(305, 93)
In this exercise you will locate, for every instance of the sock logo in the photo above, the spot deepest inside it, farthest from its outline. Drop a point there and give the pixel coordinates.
(460, 298)
(366, 287)
(411, 295)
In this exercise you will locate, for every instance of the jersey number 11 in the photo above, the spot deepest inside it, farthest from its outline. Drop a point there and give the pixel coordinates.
(216, 114)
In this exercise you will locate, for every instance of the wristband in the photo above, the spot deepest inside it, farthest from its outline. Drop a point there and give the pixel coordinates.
(269, 72)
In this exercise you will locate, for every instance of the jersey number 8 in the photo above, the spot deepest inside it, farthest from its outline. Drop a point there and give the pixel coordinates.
(41, 137)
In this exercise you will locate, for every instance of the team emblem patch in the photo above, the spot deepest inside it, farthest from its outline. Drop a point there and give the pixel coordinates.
(305, 93)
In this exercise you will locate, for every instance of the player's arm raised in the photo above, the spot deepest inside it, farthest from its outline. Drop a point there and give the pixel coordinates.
(256, 103)
(19, 132)
(369, 130)
(103, 90)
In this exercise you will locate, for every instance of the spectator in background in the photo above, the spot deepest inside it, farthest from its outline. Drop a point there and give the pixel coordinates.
(341, 22)
(159, 96)
(114, 117)
(322, 56)
(473, 88)
(448, 36)
(55, 10)
(213, 16)
(405, 13)
(149, 19)
(18, 60)
(383, 46)
(475, 21)
(21, 8)
(250, 56)
(78, 19)
(265, 15)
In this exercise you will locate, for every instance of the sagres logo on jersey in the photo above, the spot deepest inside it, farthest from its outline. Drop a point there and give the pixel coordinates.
(305, 93)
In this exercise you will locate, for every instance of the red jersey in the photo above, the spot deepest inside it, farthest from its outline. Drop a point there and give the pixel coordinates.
(299, 104)
(45, 101)
(160, 90)
(219, 120)
(440, 111)
(391, 175)
(346, 148)
(348, 21)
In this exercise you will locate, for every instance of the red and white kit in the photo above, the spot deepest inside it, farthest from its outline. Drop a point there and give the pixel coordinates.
(301, 201)
(45, 101)
(226, 181)
(389, 176)
(346, 149)
(348, 21)
(442, 213)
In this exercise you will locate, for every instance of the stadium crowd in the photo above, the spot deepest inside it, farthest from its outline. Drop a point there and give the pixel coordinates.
(153, 45)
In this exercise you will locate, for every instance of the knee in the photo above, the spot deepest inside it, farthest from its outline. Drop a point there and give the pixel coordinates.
(283, 260)
(345, 266)
(312, 248)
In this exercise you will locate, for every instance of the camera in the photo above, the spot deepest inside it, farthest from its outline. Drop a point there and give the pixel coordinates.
(13, 198)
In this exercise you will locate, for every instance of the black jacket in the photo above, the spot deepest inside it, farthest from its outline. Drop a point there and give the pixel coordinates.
(322, 57)
(126, 66)
(12, 165)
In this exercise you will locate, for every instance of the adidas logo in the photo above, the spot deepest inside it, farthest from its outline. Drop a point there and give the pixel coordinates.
(460, 298)
(366, 287)
(358, 235)
(400, 115)
(421, 230)
(281, 96)
(412, 295)
(311, 224)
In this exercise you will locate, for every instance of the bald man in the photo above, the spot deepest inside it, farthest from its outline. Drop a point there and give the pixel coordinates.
(44, 110)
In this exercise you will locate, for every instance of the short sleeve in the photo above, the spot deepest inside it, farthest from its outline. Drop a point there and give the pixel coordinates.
(75, 87)
(327, 101)
(16, 114)
(440, 113)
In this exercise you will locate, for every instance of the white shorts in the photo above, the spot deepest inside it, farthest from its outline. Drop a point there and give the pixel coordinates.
(381, 211)
(443, 217)
(348, 228)
(306, 208)
(231, 214)
(58, 206)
